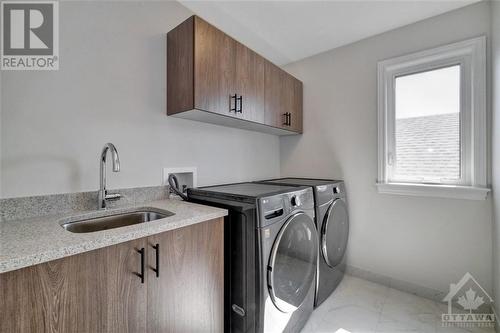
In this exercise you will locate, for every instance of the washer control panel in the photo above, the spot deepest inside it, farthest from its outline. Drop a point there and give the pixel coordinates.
(279, 206)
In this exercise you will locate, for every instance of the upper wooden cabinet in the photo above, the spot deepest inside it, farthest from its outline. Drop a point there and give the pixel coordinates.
(249, 82)
(214, 69)
(213, 78)
(283, 99)
(295, 120)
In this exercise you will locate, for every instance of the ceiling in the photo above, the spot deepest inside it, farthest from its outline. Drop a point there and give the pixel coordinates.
(287, 31)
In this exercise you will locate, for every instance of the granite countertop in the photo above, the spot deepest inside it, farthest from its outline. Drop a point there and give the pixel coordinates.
(31, 241)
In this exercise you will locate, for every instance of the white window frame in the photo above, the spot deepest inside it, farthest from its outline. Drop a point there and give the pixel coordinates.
(470, 55)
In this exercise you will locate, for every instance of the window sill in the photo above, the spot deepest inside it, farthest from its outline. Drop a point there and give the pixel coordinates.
(437, 191)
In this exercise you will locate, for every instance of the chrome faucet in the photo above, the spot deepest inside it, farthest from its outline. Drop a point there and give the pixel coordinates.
(103, 193)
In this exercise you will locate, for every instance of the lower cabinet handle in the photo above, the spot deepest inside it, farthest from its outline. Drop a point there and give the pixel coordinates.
(141, 274)
(157, 269)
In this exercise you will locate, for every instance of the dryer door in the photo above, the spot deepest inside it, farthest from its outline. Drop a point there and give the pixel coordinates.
(334, 233)
(292, 265)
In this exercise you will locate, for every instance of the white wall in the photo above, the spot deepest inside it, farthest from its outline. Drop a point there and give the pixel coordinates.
(111, 87)
(425, 241)
(495, 28)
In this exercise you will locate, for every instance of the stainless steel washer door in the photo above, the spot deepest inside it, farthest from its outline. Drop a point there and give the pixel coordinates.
(292, 265)
(334, 233)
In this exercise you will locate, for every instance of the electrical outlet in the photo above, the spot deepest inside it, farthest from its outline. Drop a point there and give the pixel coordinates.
(186, 176)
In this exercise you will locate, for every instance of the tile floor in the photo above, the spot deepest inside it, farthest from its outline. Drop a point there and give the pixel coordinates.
(360, 306)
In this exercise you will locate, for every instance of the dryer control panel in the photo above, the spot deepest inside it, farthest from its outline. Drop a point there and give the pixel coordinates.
(338, 189)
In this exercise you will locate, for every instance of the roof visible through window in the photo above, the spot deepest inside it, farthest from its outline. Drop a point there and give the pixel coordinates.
(428, 126)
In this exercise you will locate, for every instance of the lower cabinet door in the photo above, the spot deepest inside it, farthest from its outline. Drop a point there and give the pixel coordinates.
(97, 291)
(188, 293)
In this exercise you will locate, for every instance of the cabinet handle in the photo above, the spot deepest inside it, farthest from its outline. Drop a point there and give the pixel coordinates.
(157, 269)
(141, 274)
(288, 119)
(231, 97)
(240, 99)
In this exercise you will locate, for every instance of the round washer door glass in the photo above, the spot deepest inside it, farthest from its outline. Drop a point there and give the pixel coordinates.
(334, 233)
(292, 265)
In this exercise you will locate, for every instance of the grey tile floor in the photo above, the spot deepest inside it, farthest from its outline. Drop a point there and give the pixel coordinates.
(360, 306)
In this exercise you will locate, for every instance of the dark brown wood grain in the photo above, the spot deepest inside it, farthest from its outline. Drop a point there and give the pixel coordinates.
(274, 110)
(180, 67)
(126, 297)
(96, 291)
(205, 67)
(283, 94)
(296, 109)
(188, 294)
(214, 68)
(99, 291)
(249, 83)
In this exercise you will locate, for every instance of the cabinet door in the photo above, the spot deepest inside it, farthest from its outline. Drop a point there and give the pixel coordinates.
(214, 69)
(273, 109)
(295, 120)
(97, 291)
(283, 95)
(125, 293)
(187, 296)
(279, 96)
(249, 83)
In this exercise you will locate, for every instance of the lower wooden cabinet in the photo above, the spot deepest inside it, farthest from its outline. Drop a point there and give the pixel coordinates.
(101, 290)
(187, 296)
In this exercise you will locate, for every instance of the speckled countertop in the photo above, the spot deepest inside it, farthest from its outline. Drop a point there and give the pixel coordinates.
(36, 240)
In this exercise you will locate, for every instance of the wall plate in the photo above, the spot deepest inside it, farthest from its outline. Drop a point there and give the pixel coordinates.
(185, 175)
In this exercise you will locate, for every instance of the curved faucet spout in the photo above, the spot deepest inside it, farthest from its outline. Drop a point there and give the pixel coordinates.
(114, 155)
(103, 196)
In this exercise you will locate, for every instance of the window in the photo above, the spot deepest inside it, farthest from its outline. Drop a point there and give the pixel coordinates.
(432, 122)
(427, 127)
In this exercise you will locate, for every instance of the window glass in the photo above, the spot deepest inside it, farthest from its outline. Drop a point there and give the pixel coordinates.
(427, 127)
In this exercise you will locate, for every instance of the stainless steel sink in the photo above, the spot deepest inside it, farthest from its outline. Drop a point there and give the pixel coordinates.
(113, 221)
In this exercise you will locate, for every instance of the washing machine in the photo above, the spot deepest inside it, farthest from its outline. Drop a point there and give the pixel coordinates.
(332, 222)
(271, 254)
